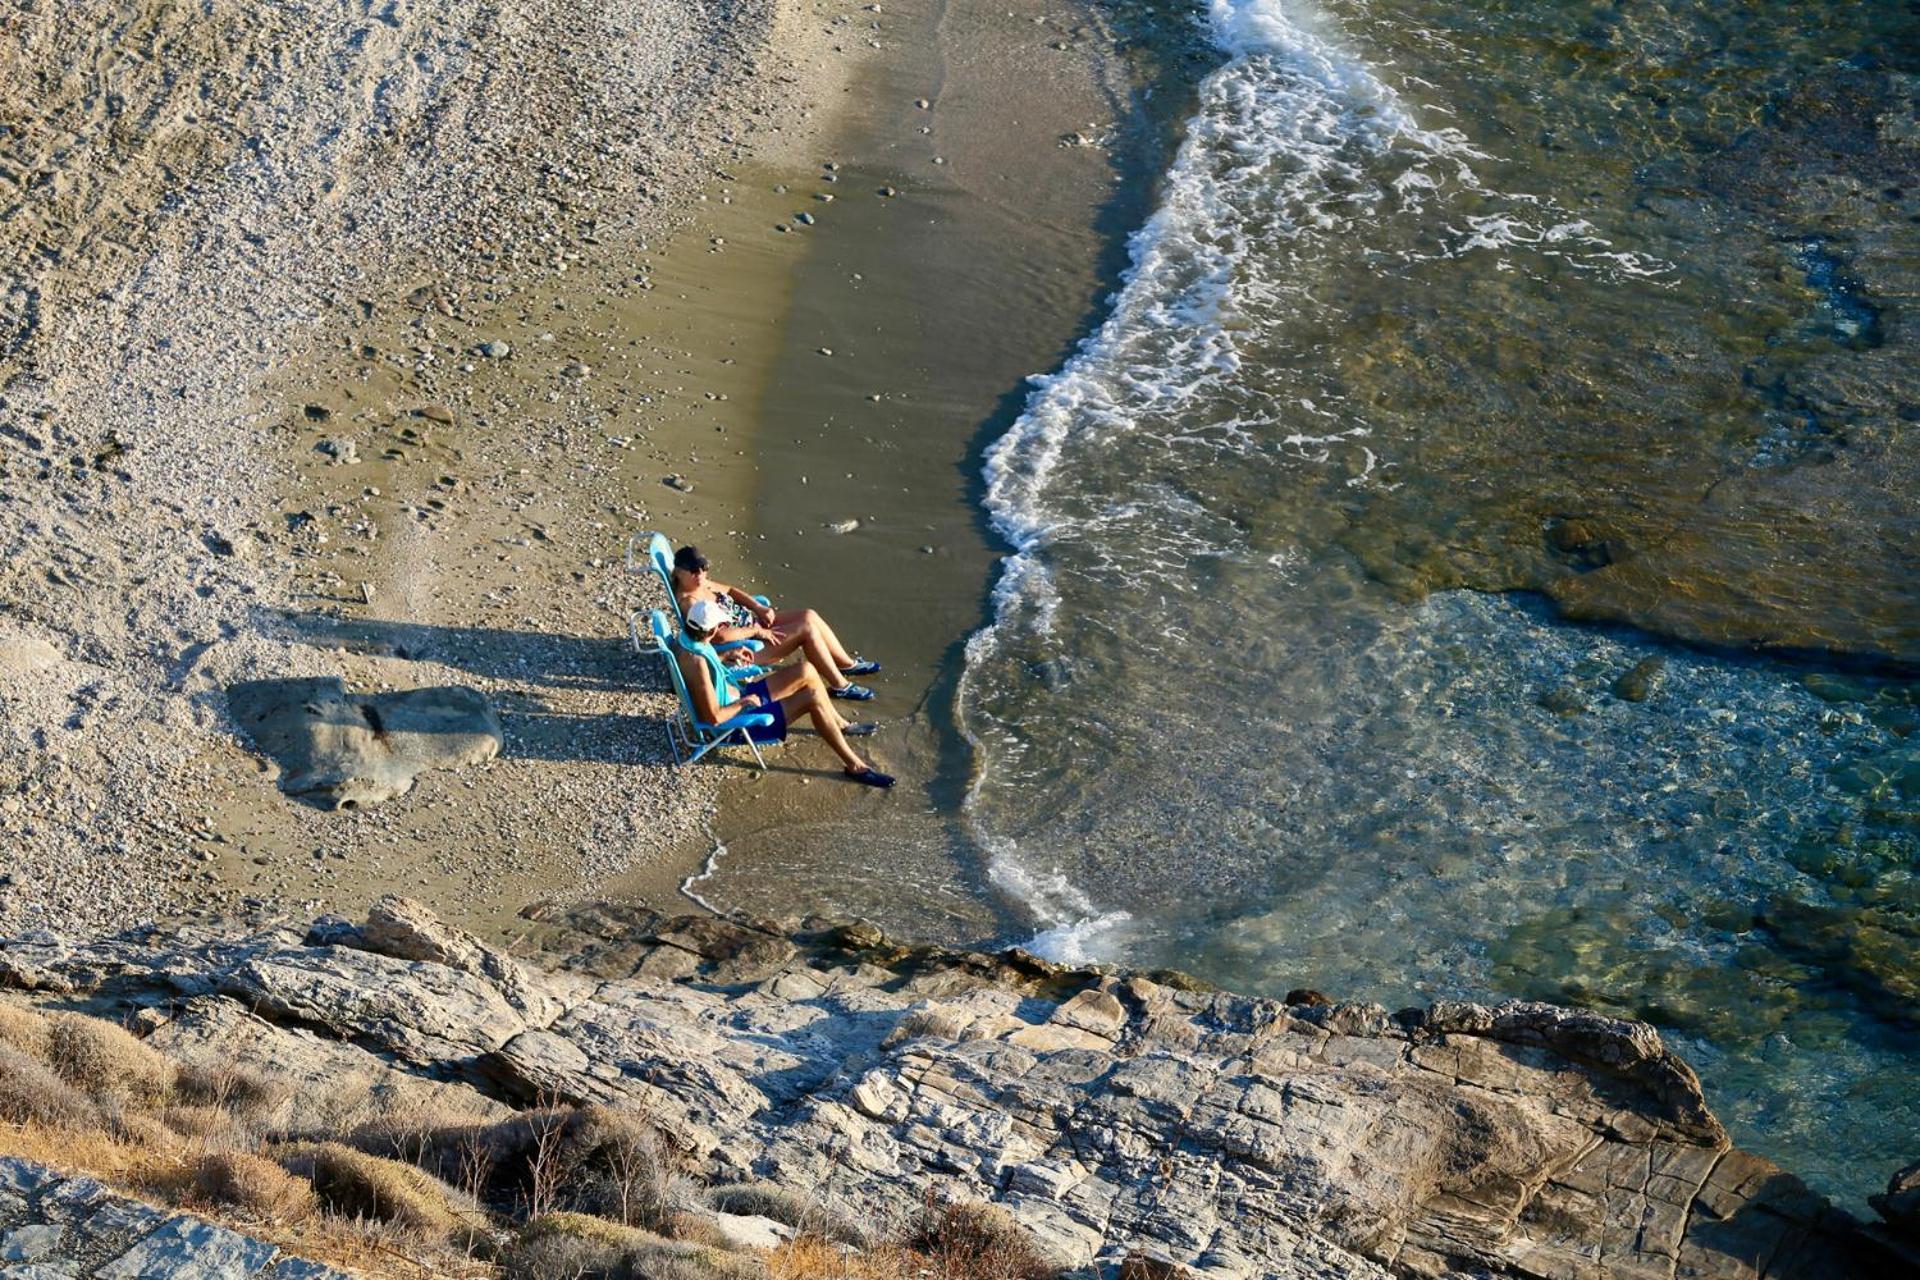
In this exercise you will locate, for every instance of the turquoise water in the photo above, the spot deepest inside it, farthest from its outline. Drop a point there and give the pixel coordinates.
(1455, 323)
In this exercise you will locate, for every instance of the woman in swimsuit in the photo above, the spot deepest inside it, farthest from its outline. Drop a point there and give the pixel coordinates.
(782, 631)
(791, 693)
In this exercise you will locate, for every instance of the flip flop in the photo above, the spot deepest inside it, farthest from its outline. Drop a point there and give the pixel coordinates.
(871, 777)
(863, 729)
(853, 692)
(862, 667)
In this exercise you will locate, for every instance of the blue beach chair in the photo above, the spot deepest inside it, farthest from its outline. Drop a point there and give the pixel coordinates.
(688, 735)
(652, 550)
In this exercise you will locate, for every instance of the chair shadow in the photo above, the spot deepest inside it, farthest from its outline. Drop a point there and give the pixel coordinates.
(535, 728)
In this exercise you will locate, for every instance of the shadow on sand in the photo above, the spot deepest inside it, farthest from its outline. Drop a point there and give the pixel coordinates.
(539, 670)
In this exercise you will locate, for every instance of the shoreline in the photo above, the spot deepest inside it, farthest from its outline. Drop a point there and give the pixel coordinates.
(1025, 145)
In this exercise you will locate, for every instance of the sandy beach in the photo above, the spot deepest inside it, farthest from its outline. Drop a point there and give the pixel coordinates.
(381, 396)
(296, 391)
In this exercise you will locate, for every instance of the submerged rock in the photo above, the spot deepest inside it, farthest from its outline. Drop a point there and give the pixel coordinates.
(341, 750)
(1638, 684)
(1563, 701)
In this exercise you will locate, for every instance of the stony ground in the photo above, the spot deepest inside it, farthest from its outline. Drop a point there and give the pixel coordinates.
(55, 1225)
(1115, 1116)
(195, 200)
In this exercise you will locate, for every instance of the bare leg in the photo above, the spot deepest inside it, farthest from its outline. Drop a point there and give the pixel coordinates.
(791, 680)
(803, 630)
(810, 703)
(808, 620)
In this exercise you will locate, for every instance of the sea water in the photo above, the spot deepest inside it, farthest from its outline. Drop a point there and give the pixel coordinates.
(1442, 306)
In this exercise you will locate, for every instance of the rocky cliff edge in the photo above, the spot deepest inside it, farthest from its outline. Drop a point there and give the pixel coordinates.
(1123, 1119)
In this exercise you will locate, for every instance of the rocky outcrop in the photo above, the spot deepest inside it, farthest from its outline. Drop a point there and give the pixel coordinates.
(1127, 1121)
(343, 751)
(54, 1227)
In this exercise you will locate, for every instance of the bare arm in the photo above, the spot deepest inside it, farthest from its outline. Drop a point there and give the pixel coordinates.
(706, 700)
(746, 601)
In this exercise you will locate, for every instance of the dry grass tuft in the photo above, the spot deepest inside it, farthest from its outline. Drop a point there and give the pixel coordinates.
(209, 1125)
(356, 1184)
(31, 1093)
(971, 1241)
(255, 1186)
(812, 1258)
(798, 1210)
(946, 1242)
(24, 1029)
(140, 1158)
(246, 1094)
(566, 1246)
(106, 1061)
(695, 1228)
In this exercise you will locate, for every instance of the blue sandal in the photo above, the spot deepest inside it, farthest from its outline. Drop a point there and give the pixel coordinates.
(853, 692)
(871, 777)
(861, 667)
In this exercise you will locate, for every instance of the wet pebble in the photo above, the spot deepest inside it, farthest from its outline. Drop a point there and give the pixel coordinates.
(1563, 701)
(1638, 684)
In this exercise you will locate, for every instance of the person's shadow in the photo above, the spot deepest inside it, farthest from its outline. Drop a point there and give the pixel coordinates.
(625, 728)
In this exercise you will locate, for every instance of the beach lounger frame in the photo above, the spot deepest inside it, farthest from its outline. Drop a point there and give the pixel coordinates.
(650, 550)
(688, 736)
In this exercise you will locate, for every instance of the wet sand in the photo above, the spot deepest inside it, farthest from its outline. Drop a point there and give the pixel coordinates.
(1017, 183)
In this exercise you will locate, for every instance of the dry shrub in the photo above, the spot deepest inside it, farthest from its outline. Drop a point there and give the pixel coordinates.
(255, 1186)
(796, 1209)
(107, 1061)
(206, 1124)
(812, 1258)
(570, 1246)
(24, 1029)
(138, 1129)
(354, 1183)
(30, 1092)
(593, 1159)
(246, 1094)
(695, 1228)
(404, 1125)
(614, 1164)
(970, 1241)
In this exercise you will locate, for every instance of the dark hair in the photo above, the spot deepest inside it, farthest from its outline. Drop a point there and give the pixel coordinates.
(689, 560)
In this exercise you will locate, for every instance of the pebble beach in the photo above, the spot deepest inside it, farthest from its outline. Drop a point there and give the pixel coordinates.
(307, 369)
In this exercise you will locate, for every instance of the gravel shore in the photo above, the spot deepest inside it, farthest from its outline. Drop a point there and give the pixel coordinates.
(230, 232)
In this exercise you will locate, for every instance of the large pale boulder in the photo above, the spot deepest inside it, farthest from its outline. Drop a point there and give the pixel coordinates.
(342, 750)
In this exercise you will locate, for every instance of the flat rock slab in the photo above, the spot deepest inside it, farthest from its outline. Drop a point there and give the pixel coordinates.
(22, 654)
(343, 750)
(55, 1225)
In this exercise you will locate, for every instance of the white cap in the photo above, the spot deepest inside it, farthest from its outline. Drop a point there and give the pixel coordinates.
(708, 615)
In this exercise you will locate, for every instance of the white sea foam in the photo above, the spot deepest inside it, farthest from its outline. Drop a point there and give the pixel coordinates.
(706, 873)
(1297, 144)
(1073, 930)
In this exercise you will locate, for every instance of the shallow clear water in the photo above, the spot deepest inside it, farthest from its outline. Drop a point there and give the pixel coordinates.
(1443, 296)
